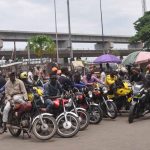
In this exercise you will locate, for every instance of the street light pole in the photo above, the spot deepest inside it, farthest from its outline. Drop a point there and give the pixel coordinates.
(57, 48)
(69, 27)
(144, 6)
(102, 25)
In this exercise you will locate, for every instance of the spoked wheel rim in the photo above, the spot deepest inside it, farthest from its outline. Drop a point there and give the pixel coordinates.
(83, 119)
(45, 131)
(67, 128)
(95, 115)
(111, 109)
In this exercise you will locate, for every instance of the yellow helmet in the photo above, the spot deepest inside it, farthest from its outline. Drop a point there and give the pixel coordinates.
(24, 75)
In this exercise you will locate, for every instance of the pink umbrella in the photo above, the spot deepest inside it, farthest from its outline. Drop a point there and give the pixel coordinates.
(143, 57)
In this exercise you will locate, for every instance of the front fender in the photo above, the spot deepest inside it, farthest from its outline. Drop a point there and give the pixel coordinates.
(94, 104)
(79, 108)
(38, 116)
(110, 100)
(67, 113)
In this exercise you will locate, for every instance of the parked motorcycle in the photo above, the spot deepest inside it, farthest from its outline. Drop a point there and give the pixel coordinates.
(28, 118)
(84, 100)
(140, 102)
(100, 96)
(83, 115)
(121, 93)
(67, 121)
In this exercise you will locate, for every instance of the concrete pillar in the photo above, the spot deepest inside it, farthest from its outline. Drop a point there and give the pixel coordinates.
(1, 44)
(63, 45)
(137, 46)
(107, 46)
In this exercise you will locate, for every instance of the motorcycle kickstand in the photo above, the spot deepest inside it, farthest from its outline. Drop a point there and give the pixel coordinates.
(26, 132)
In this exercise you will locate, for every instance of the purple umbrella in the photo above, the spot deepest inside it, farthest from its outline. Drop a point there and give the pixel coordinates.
(107, 58)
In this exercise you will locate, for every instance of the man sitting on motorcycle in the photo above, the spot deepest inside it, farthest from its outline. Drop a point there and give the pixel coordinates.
(65, 79)
(137, 76)
(90, 79)
(15, 92)
(51, 89)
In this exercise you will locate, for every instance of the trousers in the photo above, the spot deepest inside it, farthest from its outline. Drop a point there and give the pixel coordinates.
(16, 99)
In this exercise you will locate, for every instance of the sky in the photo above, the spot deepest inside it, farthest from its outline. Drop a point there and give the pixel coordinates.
(38, 15)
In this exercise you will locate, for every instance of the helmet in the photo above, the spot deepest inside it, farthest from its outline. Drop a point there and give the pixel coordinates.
(24, 75)
(54, 69)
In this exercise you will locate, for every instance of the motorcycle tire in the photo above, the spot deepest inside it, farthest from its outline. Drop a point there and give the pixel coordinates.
(38, 131)
(112, 112)
(132, 113)
(63, 126)
(84, 119)
(96, 114)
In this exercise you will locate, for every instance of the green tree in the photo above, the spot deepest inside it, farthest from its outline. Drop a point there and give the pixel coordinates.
(41, 44)
(142, 27)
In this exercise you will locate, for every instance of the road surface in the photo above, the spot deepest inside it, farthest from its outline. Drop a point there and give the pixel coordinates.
(108, 135)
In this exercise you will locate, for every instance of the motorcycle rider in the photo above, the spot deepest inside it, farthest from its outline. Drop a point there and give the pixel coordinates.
(65, 80)
(137, 76)
(90, 79)
(51, 89)
(15, 92)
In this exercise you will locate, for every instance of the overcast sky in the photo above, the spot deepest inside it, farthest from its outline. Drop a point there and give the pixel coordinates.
(38, 15)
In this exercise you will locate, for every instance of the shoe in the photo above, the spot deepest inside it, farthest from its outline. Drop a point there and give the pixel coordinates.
(4, 127)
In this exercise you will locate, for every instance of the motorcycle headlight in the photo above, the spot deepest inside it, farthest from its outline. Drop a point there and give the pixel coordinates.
(105, 90)
(69, 104)
(90, 94)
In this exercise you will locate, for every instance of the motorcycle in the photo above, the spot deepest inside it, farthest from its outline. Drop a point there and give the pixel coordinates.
(83, 115)
(84, 100)
(121, 93)
(100, 96)
(140, 102)
(28, 118)
(67, 122)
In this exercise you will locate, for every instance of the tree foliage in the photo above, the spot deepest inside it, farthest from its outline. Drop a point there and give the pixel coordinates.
(142, 27)
(41, 44)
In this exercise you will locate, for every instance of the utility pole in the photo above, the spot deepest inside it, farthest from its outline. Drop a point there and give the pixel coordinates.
(144, 8)
(57, 49)
(102, 25)
(69, 28)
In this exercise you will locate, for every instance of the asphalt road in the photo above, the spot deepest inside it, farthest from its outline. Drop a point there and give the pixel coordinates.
(108, 135)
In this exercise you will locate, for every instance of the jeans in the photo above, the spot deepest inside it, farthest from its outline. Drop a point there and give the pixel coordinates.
(16, 99)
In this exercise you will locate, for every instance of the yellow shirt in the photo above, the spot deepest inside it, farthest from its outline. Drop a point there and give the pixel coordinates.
(110, 80)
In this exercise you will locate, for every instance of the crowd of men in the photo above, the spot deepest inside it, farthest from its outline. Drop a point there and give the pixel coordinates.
(60, 79)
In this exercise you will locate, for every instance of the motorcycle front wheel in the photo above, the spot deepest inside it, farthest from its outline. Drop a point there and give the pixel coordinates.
(111, 109)
(44, 131)
(132, 113)
(96, 114)
(68, 128)
(84, 119)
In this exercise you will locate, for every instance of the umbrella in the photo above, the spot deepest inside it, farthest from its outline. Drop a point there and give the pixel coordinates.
(107, 58)
(138, 57)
